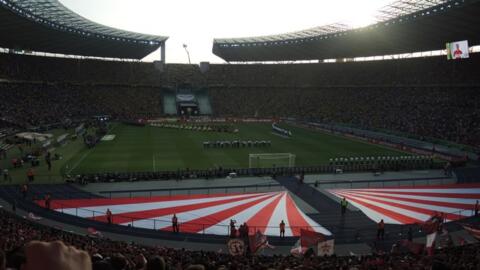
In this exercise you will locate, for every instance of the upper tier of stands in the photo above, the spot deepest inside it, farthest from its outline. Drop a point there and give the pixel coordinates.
(414, 71)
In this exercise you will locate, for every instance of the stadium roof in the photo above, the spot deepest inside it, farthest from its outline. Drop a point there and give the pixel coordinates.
(404, 26)
(48, 26)
(312, 32)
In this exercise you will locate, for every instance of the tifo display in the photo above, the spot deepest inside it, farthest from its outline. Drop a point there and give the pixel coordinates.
(414, 205)
(209, 214)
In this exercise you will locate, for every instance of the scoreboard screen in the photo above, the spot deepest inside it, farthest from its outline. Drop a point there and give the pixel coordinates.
(457, 50)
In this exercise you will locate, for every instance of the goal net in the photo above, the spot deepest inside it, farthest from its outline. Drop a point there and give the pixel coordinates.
(271, 160)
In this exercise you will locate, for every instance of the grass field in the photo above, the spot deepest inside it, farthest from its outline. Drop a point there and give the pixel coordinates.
(155, 149)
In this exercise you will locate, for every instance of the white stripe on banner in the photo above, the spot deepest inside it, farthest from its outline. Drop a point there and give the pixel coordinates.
(419, 205)
(87, 212)
(405, 212)
(241, 217)
(419, 197)
(165, 221)
(315, 226)
(425, 190)
(372, 214)
(279, 214)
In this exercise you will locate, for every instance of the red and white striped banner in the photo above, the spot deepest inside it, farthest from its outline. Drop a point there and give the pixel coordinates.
(210, 214)
(409, 205)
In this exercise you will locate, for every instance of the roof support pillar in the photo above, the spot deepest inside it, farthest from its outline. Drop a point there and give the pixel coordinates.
(162, 53)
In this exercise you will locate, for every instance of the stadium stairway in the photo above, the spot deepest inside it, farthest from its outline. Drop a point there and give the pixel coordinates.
(353, 226)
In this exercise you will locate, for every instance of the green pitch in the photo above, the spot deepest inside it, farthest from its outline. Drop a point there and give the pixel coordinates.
(156, 149)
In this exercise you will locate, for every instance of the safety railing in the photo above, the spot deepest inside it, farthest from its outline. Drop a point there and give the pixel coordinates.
(397, 165)
(274, 186)
(382, 183)
(193, 190)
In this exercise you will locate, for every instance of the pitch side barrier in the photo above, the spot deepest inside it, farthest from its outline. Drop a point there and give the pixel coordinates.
(390, 165)
(393, 141)
(40, 194)
(275, 187)
(207, 119)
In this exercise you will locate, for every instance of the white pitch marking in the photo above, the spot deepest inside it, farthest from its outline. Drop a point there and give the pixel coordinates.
(89, 151)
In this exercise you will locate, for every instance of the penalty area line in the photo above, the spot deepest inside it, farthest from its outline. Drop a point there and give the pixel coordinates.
(89, 151)
(80, 161)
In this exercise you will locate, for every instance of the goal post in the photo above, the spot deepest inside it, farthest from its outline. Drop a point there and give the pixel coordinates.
(271, 160)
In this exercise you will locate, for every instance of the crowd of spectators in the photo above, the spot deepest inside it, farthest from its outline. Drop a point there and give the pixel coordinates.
(449, 113)
(108, 254)
(426, 97)
(53, 69)
(433, 71)
(32, 104)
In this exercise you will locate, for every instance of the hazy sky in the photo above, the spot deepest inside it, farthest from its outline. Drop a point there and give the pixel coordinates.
(197, 22)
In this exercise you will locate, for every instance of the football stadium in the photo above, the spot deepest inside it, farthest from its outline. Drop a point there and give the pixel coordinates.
(332, 147)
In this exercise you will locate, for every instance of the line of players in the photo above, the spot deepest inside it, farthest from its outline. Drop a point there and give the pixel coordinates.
(212, 128)
(236, 144)
(419, 159)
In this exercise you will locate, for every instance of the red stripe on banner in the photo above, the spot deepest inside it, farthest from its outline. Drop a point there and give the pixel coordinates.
(430, 194)
(435, 203)
(80, 203)
(259, 221)
(295, 219)
(445, 186)
(152, 213)
(409, 207)
(197, 225)
(393, 215)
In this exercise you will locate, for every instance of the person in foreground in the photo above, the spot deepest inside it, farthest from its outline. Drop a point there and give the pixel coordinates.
(55, 255)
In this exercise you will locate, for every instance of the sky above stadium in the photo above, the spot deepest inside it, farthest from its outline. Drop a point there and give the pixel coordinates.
(196, 23)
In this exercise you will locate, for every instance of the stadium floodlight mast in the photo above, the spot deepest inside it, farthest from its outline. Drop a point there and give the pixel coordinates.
(188, 54)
